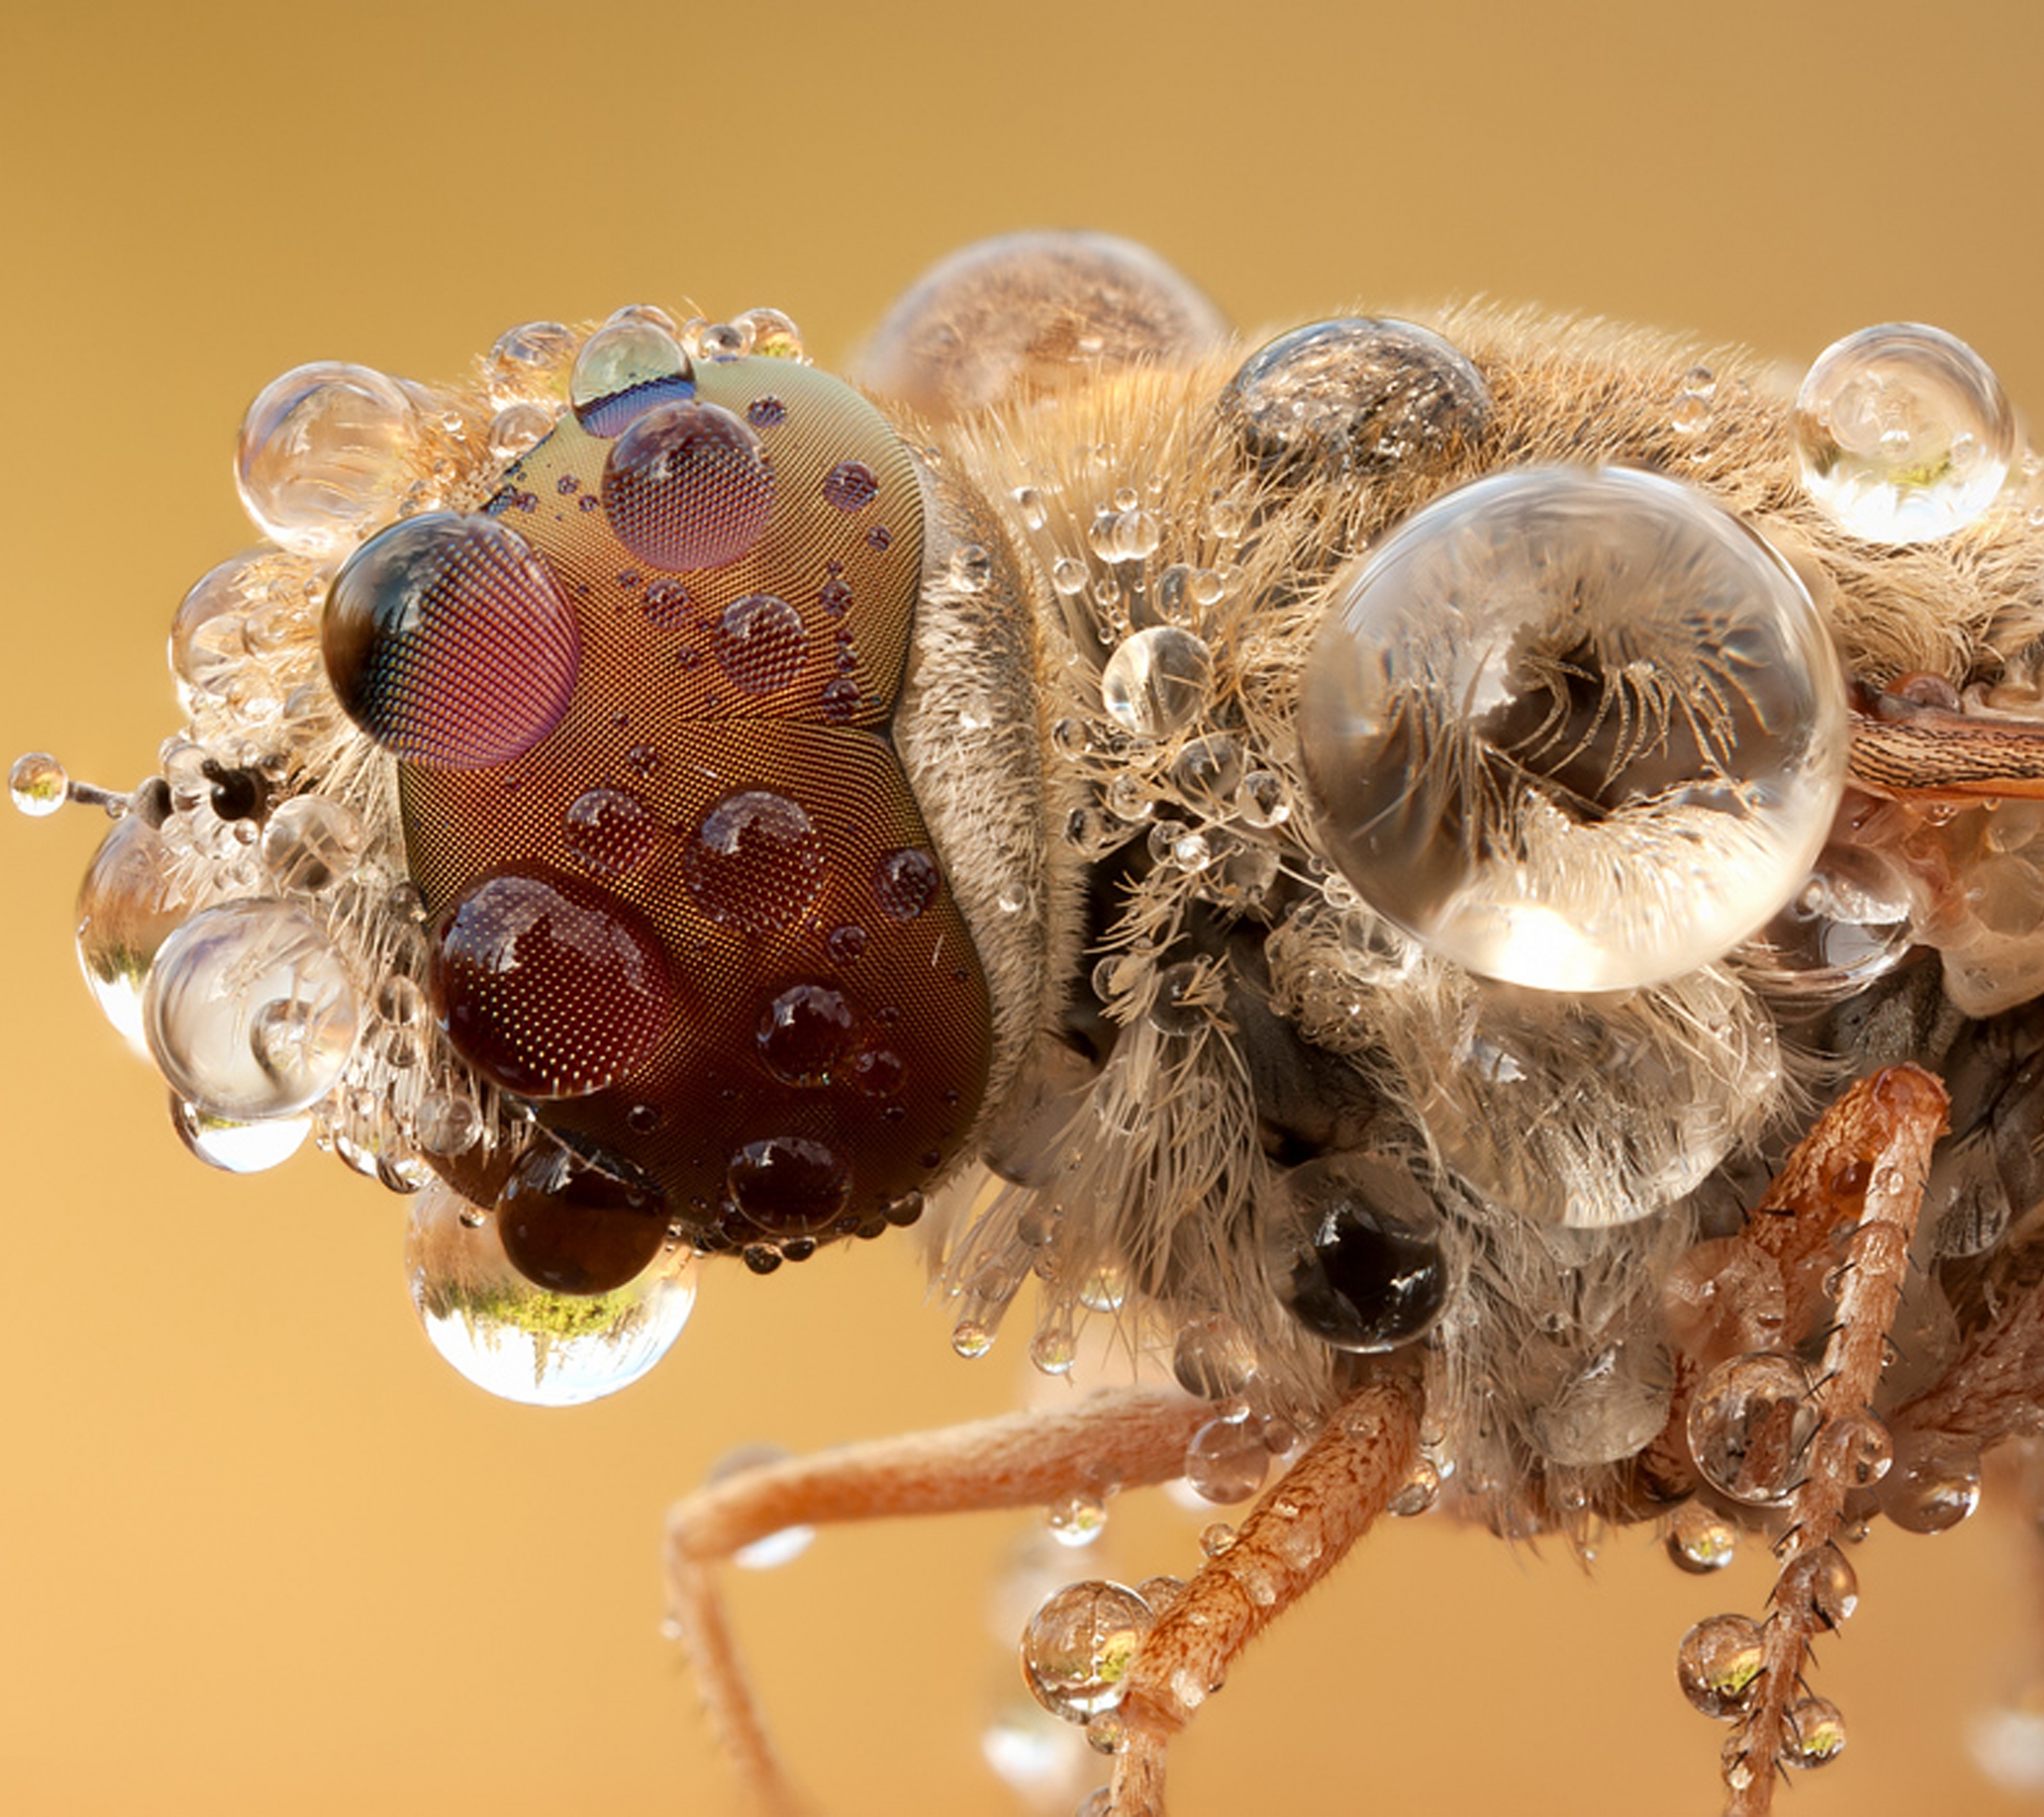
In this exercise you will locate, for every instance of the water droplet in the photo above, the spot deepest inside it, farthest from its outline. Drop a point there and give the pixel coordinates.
(1217, 1539)
(972, 1338)
(755, 863)
(1815, 1733)
(771, 335)
(1903, 433)
(518, 429)
(528, 361)
(1420, 1490)
(1826, 1580)
(1718, 1665)
(906, 882)
(576, 1221)
(1106, 1733)
(1029, 503)
(1158, 681)
(760, 643)
(850, 486)
(609, 831)
(1355, 1248)
(1750, 1424)
(238, 971)
(1068, 576)
(1077, 1519)
(547, 986)
(448, 641)
(790, 1186)
(518, 1341)
(1212, 1358)
(806, 1034)
(326, 455)
(1207, 774)
(1176, 1009)
(128, 906)
(1690, 415)
(622, 370)
(1078, 1647)
(208, 647)
(447, 1123)
(1700, 1540)
(311, 844)
(972, 568)
(1857, 1449)
(1260, 801)
(1356, 392)
(687, 486)
(38, 783)
(1935, 1486)
(1226, 1461)
(776, 1549)
(235, 1147)
(1575, 730)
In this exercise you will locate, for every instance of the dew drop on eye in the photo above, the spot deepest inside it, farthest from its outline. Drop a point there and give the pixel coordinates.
(1578, 730)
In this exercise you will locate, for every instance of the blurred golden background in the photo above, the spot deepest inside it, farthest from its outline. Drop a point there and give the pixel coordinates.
(259, 1550)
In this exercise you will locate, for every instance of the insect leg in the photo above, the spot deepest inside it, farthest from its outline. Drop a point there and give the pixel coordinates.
(1297, 1534)
(1130, 1438)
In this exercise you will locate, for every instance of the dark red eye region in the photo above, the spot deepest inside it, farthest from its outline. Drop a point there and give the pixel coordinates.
(718, 813)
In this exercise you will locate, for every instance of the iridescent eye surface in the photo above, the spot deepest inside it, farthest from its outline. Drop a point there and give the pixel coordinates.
(1578, 730)
(698, 922)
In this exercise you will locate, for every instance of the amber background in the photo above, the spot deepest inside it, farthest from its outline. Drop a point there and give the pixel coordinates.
(259, 1551)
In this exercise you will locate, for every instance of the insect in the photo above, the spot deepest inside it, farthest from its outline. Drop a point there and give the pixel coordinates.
(1468, 885)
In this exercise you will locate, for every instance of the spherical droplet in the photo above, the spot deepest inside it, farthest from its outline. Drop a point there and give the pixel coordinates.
(1815, 1733)
(312, 843)
(1700, 1540)
(850, 486)
(806, 1034)
(760, 644)
(1574, 730)
(610, 831)
(1356, 394)
(1077, 1519)
(38, 783)
(1934, 1486)
(1824, 1580)
(326, 455)
(447, 1123)
(906, 882)
(687, 486)
(1903, 433)
(547, 986)
(1227, 1459)
(790, 1186)
(447, 640)
(576, 1220)
(1751, 1420)
(236, 1148)
(776, 1549)
(128, 906)
(249, 1012)
(755, 863)
(1356, 1249)
(1079, 1645)
(1212, 1358)
(1718, 1665)
(623, 370)
(1159, 681)
(516, 1339)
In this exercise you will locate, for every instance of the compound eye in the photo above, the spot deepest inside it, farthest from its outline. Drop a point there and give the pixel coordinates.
(1575, 730)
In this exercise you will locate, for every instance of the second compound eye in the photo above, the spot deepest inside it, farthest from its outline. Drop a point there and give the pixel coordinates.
(1577, 730)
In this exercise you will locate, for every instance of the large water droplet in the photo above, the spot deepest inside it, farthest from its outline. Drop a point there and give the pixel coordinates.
(449, 643)
(1078, 1647)
(1903, 433)
(249, 1011)
(1750, 1424)
(326, 455)
(790, 1186)
(687, 486)
(1700, 1540)
(238, 1148)
(1934, 1486)
(1227, 1459)
(1815, 1733)
(520, 1342)
(38, 783)
(1578, 730)
(128, 906)
(1355, 1250)
(756, 863)
(1159, 681)
(547, 986)
(623, 370)
(1717, 1665)
(312, 843)
(806, 1033)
